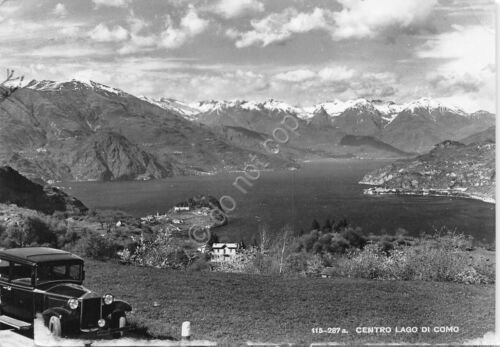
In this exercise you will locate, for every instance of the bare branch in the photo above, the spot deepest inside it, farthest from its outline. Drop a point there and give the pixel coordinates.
(10, 84)
(11, 78)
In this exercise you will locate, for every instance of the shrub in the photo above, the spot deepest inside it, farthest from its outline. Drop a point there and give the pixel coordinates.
(354, 237)
(296, 263)
(161, 251)
(246, 261)
(96, 246)
(200, 264)
(31, 231)
(338, 244)
(424, 262)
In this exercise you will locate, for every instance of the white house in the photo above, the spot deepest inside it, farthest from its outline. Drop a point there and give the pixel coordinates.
(224, 251)
(181, 208)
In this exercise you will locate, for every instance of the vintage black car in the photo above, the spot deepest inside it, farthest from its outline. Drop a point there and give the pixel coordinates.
(48, 281)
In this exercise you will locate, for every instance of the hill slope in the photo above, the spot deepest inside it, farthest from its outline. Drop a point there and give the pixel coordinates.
(80, 131)
(451, 168)
(16, 189)
(485, 136)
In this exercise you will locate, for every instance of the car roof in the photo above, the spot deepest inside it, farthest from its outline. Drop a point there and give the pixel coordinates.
(37, 255)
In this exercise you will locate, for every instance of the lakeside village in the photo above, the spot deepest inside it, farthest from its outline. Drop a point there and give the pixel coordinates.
(194, 215)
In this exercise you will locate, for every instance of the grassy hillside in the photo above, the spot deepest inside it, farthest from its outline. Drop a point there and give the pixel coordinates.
(234, 308)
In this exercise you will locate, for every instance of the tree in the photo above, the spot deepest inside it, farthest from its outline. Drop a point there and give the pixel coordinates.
(340, 225)
(301, 232)
(264, 238)
(284, 241)
(255, 241)
(242, 245)
(31, 231)
(327, 227)
(354, 237)
(315, 225)
(213, 239)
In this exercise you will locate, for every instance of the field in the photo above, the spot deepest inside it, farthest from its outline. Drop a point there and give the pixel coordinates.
(235, 308)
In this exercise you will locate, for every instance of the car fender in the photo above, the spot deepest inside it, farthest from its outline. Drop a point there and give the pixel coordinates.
(61, 312)
(120, 305)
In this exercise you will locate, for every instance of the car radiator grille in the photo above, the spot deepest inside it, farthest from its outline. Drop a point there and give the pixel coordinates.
(91, 313)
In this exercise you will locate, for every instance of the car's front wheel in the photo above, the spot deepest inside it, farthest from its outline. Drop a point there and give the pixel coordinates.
(55, 326)
(119, 321)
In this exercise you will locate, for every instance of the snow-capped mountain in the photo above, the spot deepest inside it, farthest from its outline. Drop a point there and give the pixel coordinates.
(110, 134)
(387, 109)
(74, 85)
(270, 105)
(337, 107)
(430, 105)
(191, 110)
(179, 107)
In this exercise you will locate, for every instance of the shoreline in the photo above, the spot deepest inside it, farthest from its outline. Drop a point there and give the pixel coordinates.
(427, 192)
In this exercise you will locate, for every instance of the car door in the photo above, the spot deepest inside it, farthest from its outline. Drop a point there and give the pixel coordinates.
(21, 291)
(6, 305)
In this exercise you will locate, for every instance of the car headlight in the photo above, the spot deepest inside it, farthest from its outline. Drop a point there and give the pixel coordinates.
(73, 303)
(108, 299)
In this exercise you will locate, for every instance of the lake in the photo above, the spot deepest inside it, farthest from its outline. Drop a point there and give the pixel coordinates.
(319, 190)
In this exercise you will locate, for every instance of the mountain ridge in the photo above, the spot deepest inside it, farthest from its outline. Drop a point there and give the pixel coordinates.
(84, 130)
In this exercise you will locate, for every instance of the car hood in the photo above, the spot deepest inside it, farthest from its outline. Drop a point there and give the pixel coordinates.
(72, 290)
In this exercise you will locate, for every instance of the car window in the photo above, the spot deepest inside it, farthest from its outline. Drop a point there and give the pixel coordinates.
(59, 272)
(4, 269)
(75, 271)
(21, 273)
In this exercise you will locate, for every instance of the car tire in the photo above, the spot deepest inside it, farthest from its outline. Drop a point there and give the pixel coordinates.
(55, 326)
(120, 321)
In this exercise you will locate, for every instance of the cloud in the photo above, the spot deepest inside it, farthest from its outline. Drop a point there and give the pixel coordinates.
(190, 26)
(64, 51)
(233, 9)
(368, 18)
(60, 10)
(323, 83)
(337, 73)
(192, 23)
(465, 71)
(327, 74)
(8, 10)
(356, 20)
(111, 3)
(101, 33)
(9, 29)
(135, 23)
(172, 36)
(92, 75)
(296, 75)
(138, 42)
(450, 84)
(280, 26)
(470, 48)
(69, 31)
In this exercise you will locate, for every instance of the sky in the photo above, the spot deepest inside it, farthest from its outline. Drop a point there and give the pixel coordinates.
(299, 51)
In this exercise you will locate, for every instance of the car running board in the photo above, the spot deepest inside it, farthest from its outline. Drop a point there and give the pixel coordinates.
(15, 323)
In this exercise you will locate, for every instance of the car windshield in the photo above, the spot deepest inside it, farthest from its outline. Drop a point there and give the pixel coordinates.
(49, 272)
